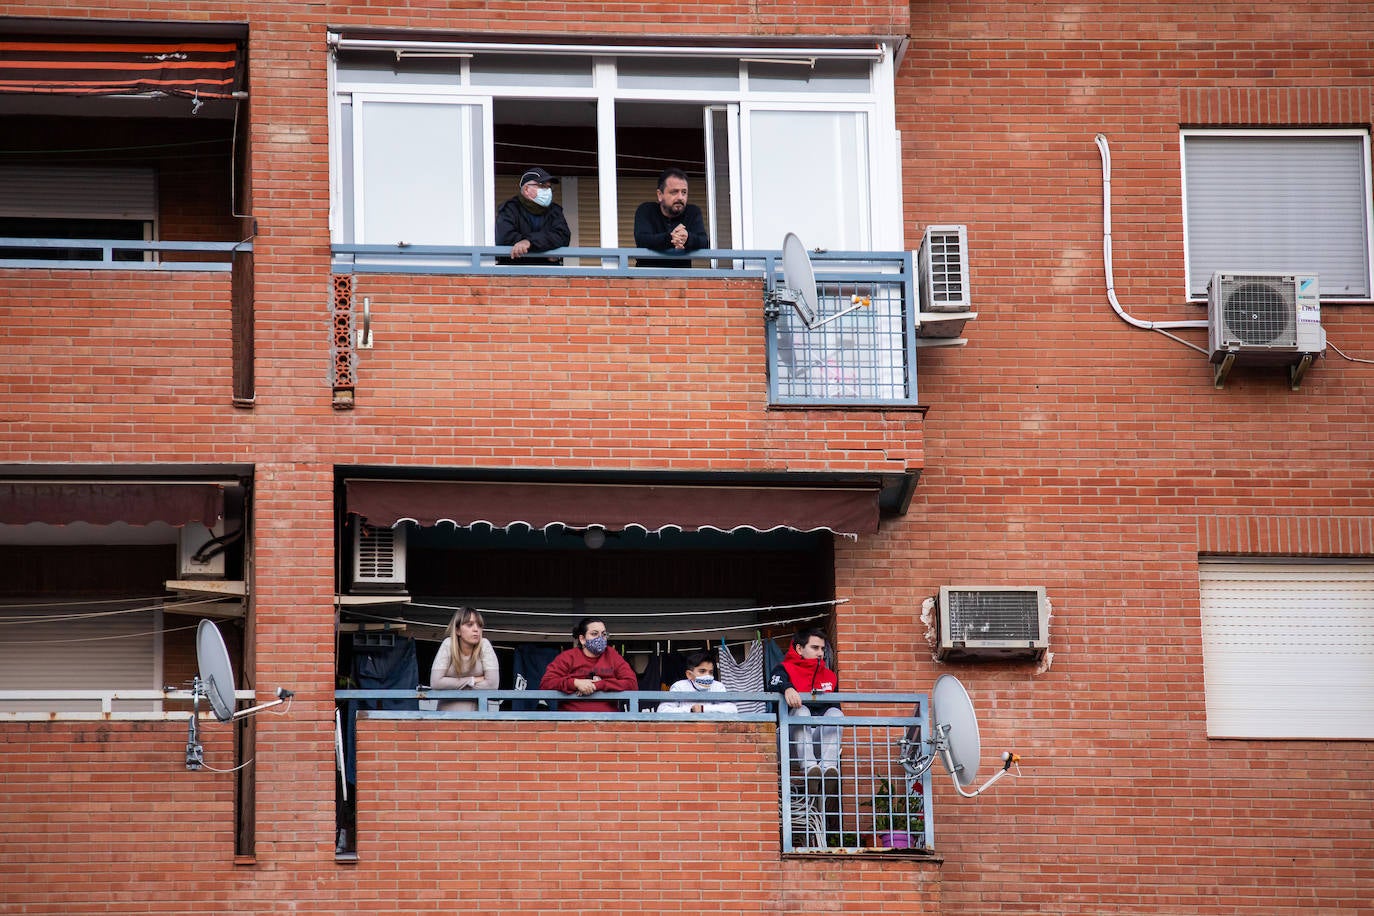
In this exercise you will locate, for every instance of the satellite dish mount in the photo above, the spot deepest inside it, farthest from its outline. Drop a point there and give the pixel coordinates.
(215, 682)
(954, 741)
(798, 288)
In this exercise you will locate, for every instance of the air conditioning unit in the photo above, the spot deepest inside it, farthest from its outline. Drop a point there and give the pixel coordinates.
(198, 556)
(996, 621)
(379, 558)
(942, 265)
(1264, 317)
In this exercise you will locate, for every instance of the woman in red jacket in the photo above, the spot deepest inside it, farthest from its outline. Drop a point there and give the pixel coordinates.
(591, 666)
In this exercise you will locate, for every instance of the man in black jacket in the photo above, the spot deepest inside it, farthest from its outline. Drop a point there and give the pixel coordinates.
(670, 223)
(531, 221)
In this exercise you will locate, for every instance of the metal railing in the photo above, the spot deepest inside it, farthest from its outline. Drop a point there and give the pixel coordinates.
(83, 705)
(864, 357)
(18, 252)
(867, 803)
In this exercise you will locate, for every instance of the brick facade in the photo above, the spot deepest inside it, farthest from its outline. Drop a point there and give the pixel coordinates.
(1060, 447)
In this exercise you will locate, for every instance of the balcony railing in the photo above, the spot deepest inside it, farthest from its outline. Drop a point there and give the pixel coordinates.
(866, 804)
(119, 254)
(860, 350)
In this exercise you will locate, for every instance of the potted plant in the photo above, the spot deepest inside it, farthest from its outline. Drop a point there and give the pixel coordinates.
(897, 819)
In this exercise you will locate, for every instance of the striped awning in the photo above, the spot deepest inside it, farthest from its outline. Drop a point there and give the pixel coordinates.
(73, 66)
(615, 507)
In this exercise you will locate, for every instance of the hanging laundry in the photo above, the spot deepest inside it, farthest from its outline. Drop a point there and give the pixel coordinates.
(746, 675)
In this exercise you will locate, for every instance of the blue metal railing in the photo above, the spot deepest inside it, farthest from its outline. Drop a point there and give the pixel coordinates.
(105, 249)
(865, 357)
(866, 803)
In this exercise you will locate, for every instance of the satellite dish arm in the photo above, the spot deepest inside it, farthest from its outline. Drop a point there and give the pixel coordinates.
(1009, 760)
(282, 696)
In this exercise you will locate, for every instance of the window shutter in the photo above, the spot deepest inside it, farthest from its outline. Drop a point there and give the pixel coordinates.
(1278, 203)
(52, 192)
(1288, 649)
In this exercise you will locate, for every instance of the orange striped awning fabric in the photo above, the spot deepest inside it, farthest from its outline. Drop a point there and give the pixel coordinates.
(208, 69)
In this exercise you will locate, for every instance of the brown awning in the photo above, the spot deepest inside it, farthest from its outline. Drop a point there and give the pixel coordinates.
(615, 507)
(104, 503)
(73, 66)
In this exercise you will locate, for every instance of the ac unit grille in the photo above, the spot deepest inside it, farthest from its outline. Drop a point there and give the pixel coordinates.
(943, 266)
(994, 615)
(379, 557)
(1259, 312)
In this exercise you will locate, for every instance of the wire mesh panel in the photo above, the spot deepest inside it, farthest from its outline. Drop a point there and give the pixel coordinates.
(861, 357)
(848, 789)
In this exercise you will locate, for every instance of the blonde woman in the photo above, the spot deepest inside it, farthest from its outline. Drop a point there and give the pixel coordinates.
(466, 661)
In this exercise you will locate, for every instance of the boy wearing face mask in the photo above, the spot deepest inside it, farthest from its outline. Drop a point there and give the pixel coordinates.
(700, 680)
(531, 221)
(591, 666)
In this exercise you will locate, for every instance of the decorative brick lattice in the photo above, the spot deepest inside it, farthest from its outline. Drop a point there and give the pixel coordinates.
(341, 351)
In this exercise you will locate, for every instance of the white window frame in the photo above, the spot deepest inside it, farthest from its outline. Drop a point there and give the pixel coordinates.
(1287, 648)
(1195, 287)
(878, 103)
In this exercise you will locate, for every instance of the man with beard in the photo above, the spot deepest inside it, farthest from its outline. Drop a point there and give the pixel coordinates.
(670, 223)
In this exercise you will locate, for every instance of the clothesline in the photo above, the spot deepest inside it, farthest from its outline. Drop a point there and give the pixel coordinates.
(617, 615)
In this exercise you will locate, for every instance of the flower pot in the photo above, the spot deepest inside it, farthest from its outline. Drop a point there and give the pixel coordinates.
(895, 840)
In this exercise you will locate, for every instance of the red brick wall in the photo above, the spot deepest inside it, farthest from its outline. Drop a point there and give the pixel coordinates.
(595, 817)
(1062, 447)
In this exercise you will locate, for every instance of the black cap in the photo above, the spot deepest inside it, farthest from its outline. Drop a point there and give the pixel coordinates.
(537, 174)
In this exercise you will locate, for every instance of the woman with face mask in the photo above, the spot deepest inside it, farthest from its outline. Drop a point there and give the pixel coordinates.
(590, 666)
(700, 680)
(531, 221)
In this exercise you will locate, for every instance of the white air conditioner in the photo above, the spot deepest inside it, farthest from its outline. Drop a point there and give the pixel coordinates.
(942, 264)
(379, 558)
(1264, 317)
(198, 556)
(998, 621)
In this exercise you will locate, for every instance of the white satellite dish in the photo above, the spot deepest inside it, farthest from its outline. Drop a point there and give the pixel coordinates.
(954, 740)
(216, 671)
(216, 683)
(798, 280)
(798, 287)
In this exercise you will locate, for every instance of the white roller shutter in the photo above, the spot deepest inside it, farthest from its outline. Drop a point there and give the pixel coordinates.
(1288, 649)
(87, 646)
(55, 192)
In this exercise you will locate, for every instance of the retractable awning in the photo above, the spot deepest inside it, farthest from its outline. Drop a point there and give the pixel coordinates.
(209, 69)
(849, 511)
(104, 503)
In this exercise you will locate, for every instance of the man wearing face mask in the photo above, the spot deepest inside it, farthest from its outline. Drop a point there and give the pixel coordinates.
(591, 666)
(700, 680)
(531, 221)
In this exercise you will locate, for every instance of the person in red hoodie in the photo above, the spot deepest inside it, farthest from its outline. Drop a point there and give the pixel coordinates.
(816, 748)
(591, 666)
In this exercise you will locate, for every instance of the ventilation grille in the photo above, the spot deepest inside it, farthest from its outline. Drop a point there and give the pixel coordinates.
(993, 620)
(943, 266)
(1258, 310)
(379, 556)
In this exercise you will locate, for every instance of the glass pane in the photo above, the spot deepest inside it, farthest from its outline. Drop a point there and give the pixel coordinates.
(419, 182)
(677, 73)
(822, 196)
(822, 76)
(1278, 204)
(530, 70)
(382, 69)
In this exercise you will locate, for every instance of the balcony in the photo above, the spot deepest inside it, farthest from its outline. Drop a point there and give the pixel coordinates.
(859, 351)
(864, 808)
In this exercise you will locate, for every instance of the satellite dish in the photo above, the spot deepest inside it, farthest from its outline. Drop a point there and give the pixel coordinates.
(216, 671)
(798, 279)
(954, 739)
(216, 684)
(953, 713)
(798, 287)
